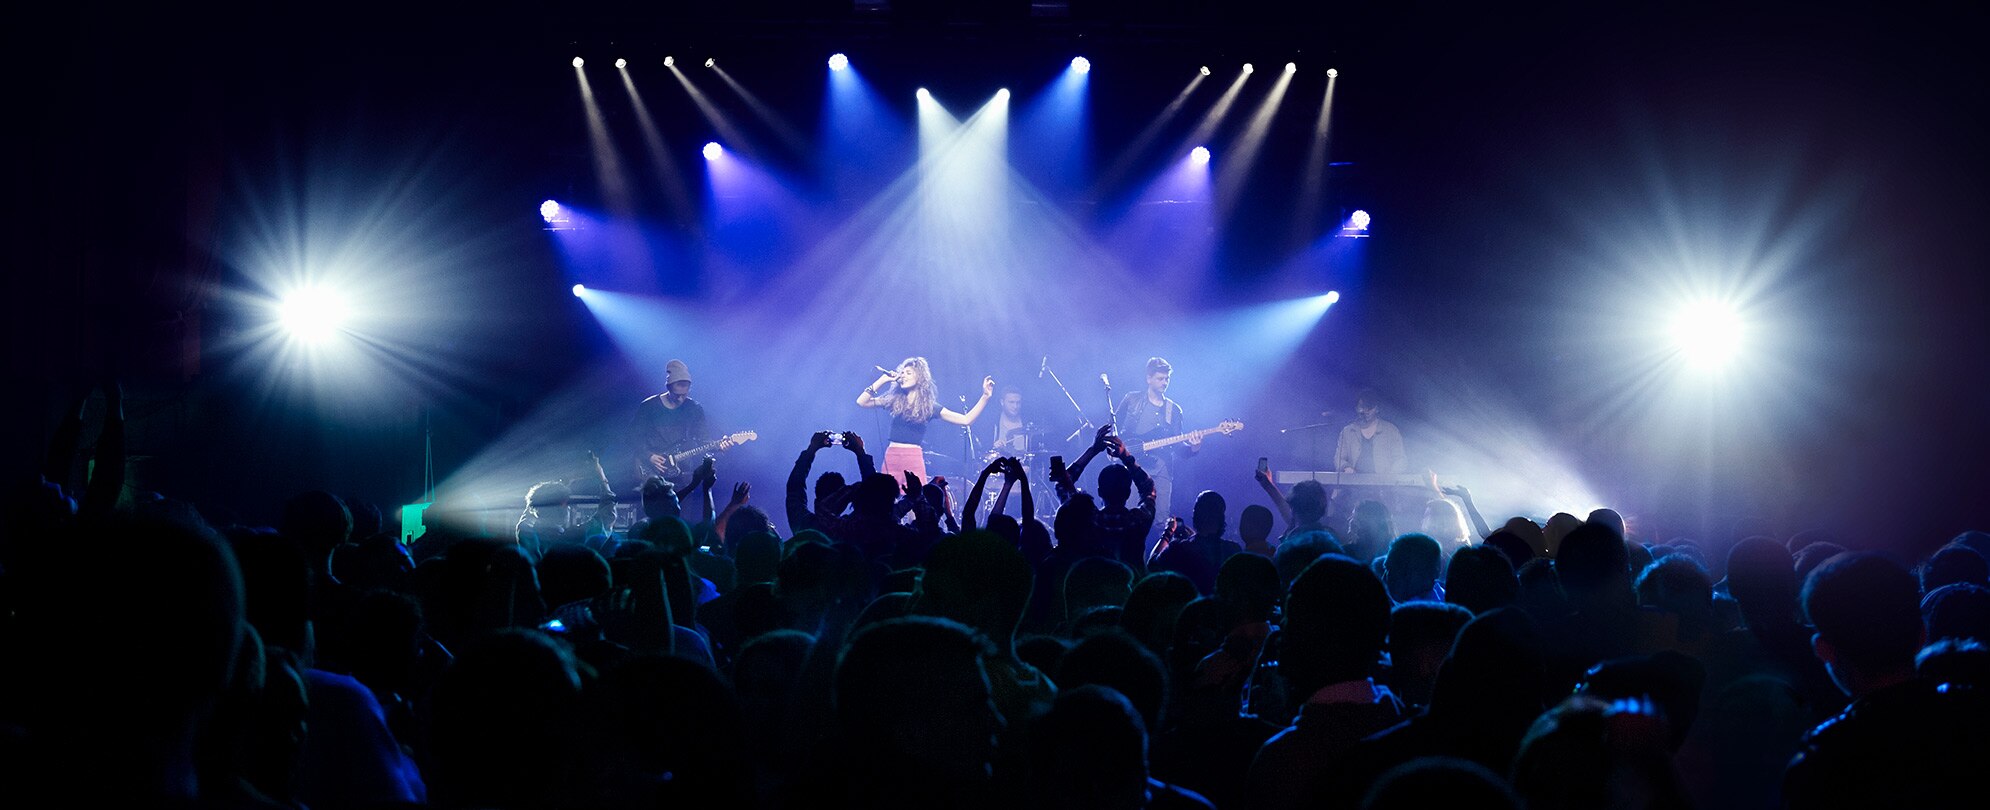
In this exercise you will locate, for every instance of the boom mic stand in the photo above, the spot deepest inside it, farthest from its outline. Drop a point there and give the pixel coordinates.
(1083, 421)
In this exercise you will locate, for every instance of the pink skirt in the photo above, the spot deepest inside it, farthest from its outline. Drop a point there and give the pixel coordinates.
(898, 458)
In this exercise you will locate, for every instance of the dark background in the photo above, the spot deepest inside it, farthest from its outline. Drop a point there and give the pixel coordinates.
(1487, 139)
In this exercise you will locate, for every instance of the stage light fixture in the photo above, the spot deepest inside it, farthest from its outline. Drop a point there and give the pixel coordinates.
(578, 289)
(838, 61)
(1708, 334)
(1358, 220)
(1199, 155)
(670, 61)
(549, 210)
(1081, 64)
(621, 64)
(1002, 94)
(1332, 73)
(1291, 67)
(1248, 69)
(713, 150)
(312, 314)
(1204, 71)
(711, 63)
(579, 61)
(1333, 297)
(923, 95)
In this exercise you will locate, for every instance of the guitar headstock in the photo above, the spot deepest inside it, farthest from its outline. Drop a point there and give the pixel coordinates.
(743, 437)
(1229, 426)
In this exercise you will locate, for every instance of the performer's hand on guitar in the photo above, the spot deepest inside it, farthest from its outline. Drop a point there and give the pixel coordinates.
(659, 464)
(739, 493)
(1194, 445)
(853, 441)
(819, 441)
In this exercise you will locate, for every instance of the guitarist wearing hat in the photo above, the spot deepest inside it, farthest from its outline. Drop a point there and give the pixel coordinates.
(668, 424)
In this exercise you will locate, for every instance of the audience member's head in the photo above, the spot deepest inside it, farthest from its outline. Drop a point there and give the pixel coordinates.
(1679, 586)
(570, 573)
(1954, 662)
(1480, 579)
(1420, 638)
(1814, 555)
(1532, 533)
(1671, 680)
(1957, 611)
(1089, 751)
(1587, 753)
(829, 493)
(1309, 503)
(1762, 580)
(1593, 569)
(1444, 522)
(1954, 564)
(1369, 529)
(1251, 583)
(1336, 622)
(675, 722)
(1153, 607)
(1609, 519)
(1976, 541)
(660, 499)
(1299, 551)
(1254, 525)
(1095, 582)
(977, 579)
(1517, 550)
(505, 731)
(1866, 611)
(912, 695)
(1412, 565)
(746, 520)
(317, 522)
(1440, 782)
(1207, 516)
(1115, 484)
(1557, 530)
(1114, 659)
(756, 558)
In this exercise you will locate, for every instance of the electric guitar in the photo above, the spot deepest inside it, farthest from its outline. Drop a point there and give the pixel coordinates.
(1226, 427)
(672, 467)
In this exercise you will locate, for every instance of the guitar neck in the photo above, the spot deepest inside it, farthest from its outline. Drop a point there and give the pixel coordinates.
(680, 458)
(1190, 436)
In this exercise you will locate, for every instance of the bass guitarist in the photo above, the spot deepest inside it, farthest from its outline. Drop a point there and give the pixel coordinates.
(1149, 415)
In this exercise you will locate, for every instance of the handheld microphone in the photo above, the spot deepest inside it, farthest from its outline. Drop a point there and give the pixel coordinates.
(883, 370)
(1043, 367)
(1107, 380)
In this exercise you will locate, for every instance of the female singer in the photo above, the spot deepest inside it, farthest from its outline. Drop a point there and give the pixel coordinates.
(913, 400)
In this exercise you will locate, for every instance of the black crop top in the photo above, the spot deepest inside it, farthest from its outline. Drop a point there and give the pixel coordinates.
(906, 431)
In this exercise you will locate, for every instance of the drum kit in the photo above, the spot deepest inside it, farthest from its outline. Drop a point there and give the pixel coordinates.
(1028, 445)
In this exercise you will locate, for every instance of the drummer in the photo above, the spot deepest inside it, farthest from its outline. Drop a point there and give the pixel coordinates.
(1012, 434)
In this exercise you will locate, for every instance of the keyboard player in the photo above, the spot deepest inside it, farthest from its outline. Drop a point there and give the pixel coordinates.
(1370, 444)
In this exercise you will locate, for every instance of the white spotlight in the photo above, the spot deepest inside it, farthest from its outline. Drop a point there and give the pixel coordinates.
(1291, 67)
(579, 61)
(1359, 220)
(1204, 71)
(923, 95)
(1080, 64)
(711, 63)
(312, 314)
(713, 150)
(1332, 73)
(1248, 69)
(838, 61)
(578, 289)
(1333, 297)
(670, 61)
(1199, 155)
(1708, 334)
(621, 64)
(1002, 94)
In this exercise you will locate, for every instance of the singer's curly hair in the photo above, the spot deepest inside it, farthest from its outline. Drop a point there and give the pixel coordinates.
(918, 403)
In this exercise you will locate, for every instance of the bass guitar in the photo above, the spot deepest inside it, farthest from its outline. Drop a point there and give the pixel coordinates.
(1226, 427)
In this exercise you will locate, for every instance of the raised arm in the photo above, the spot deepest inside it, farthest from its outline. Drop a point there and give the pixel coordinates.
(865, 466)
(1464, 496)
(1022, 478)
(870, 398)
(1277, 498)
(1077, 468)
(800, 516)
(967, 515)
(987, 390)
(739, 496)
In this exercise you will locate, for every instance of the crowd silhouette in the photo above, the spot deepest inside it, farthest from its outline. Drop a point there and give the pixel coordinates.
(889, 651)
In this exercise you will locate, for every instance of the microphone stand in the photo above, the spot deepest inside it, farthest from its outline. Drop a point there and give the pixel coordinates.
(1083, 421)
